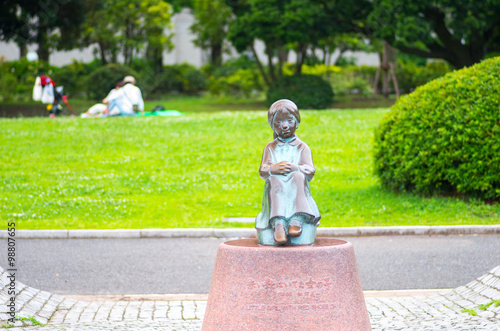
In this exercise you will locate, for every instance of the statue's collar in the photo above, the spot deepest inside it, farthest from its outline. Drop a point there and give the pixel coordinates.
(291, 141)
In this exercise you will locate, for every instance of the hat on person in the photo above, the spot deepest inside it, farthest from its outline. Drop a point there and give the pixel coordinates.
(129, 79)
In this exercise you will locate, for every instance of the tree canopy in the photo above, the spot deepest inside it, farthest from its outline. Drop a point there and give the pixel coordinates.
(292, 24)
(126, 27)
(50, 24)
(461, 32)
(210, 28)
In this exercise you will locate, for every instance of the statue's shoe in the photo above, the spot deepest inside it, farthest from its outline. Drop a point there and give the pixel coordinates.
(294, 228)
(279, 234)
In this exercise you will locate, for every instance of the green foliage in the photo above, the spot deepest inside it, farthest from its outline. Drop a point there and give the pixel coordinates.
(179, 78)
(471, 312)
(353, 80)
(494, 303)
(210, 28)
(459, 32)
(29, 22)
(104, 79)
(33, 321)
(239, 77)
(242, 82)
(193, 81)
(170, 80)
(410, 75)
(126, 27)
(445, 136)
(18, 77)
(294, 24)
(307, 91)
(73, 76)
(8, 83)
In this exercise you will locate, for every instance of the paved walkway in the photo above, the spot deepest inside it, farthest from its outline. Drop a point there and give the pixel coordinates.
(457, 309)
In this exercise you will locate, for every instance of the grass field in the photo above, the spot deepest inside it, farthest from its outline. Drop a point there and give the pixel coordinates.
(192, 171)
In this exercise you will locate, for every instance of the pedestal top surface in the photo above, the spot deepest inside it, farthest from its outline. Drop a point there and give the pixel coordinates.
(320, 242)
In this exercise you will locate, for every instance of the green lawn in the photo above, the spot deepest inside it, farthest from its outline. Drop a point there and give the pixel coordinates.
(192, 171)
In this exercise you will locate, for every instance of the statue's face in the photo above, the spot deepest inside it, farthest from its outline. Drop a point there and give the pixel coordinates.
(284, 124)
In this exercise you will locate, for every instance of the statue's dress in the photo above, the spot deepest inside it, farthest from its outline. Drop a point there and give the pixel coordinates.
(287, 195)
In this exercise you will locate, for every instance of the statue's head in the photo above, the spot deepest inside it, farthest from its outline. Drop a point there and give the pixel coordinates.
(284, 118)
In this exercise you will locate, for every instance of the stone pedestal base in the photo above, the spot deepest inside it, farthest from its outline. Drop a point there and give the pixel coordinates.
(267, 288)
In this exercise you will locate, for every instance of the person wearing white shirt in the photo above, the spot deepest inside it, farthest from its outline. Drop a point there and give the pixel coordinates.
(128, 99)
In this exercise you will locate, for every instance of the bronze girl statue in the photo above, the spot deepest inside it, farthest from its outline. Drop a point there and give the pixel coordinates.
(289, 214)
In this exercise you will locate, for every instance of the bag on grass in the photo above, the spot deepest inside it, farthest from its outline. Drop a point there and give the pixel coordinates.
(48, 94)
(37, 90)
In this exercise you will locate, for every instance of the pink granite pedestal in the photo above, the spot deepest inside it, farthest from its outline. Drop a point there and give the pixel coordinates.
(314, 287)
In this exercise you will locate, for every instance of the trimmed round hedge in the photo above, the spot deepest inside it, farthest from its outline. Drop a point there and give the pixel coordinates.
(307, 91)
(445, 137)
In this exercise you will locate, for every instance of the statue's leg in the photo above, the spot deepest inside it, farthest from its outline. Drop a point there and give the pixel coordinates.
(280, 237)
(308, 230)
(295, 227)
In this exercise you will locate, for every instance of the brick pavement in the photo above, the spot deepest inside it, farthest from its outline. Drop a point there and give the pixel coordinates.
(457, 309)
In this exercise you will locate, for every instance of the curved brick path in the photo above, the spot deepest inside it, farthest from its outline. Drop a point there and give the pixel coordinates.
(443, 311)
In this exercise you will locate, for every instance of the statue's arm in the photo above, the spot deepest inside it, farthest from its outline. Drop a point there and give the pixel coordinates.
(265, 166)
(306, 165)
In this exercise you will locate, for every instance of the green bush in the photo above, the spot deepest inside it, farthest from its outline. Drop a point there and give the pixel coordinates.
(237, 76)
(445, 136)
(20, 77)
(307, 91)
(74, 76)
(242, 82)
(193, 81)
(351, 79)
(179, 78)
(104, 79)
(8, 83)
(170, 80)
(411, 75)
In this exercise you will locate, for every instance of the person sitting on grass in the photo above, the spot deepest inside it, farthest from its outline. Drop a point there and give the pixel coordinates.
(102, 109)
(128, 100)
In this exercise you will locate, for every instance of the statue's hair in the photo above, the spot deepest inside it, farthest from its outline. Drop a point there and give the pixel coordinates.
(280, 106)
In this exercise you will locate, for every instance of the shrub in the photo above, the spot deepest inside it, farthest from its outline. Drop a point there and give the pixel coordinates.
(410, 75)
(306, 91)
(8, 83)
(74, 76)
(181, 78)
(170, 80)
(242, 82)
(104, 79)
(20, 77)
(237, 76)
(193, 81)
(445, 136)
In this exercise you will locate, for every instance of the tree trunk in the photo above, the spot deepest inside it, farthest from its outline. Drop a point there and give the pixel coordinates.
(41, 39)
(216, 54)
(282, 58)
(23, 49)
(102, 52)
(270, 63)
(301, 54)
(342, 50)
(260, 66)
(448, 48)
(154, 54)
